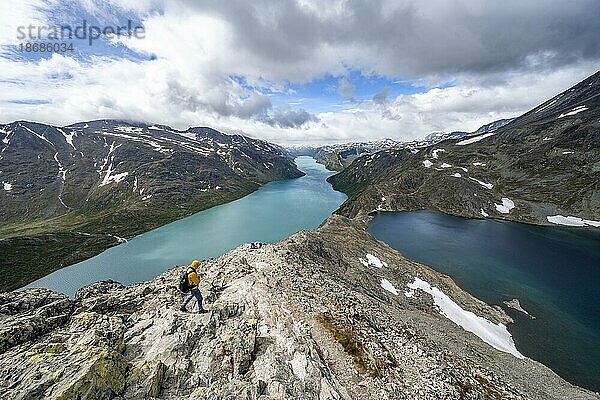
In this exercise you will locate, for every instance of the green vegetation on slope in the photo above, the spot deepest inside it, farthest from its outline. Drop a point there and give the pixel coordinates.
(544, 163)
(74, 191)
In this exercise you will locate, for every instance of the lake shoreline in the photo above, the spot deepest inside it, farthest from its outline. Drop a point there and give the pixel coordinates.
(271, 213)
(27, 248)
(459, 256)
(301, 291)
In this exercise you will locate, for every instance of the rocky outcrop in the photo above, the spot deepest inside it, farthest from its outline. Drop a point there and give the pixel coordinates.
(309, 317)
(31, 315)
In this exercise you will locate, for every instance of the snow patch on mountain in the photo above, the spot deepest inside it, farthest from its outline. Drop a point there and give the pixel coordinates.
(109, 156)
(496, 335)
(129, 129)
(61, 171)
(387, 285)
(484, 184)
(474, 139)
(548, 104)
(68, 137)
(6, 138)
(110, 177)
(572, 221)
(372, 260)
(156, 146)
(119, 239)
(506, 206)
(574, 111)
(434, 153)
(41, 137)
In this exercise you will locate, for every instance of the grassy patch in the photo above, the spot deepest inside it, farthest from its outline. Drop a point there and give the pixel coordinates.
(29, 251)
(25, 259)
(345, 335)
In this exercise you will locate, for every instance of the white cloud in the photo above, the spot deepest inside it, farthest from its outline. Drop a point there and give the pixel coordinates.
(197, 47)
(155, 91)
(21, 13)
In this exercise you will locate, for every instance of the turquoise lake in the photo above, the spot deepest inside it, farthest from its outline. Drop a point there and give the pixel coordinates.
(553, 271)
(275, 211)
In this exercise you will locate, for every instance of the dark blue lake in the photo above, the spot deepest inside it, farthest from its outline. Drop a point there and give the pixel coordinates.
(554, 272)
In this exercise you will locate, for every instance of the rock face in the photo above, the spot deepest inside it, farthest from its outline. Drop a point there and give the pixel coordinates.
(539, 167)
(307, 318)
(88, 186)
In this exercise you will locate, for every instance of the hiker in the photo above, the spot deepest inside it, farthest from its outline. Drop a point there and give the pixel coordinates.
(255, 245)
(192, 284)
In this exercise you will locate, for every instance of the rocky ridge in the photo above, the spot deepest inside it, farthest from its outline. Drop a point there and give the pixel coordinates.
(310, 317)
(336, 157)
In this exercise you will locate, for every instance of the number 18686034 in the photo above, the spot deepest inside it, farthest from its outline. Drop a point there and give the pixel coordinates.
(43, 47)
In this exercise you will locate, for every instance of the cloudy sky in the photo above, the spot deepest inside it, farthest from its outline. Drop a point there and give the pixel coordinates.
(300, 71)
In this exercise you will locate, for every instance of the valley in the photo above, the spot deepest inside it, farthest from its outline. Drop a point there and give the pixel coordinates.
(299, 200)
(537, 169)
(271, 213)
(71, 192)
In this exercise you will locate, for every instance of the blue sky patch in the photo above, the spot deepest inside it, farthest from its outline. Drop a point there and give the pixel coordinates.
(86, 40)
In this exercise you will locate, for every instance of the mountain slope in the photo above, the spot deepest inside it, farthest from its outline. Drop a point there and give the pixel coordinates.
(541, 166)
(336, 157)
(302, 150)
(102, 181)
(327, 314)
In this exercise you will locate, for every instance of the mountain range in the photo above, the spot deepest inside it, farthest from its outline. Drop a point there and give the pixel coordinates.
(330, 313)
(336, 157)
(541, 168)
(70, 192)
